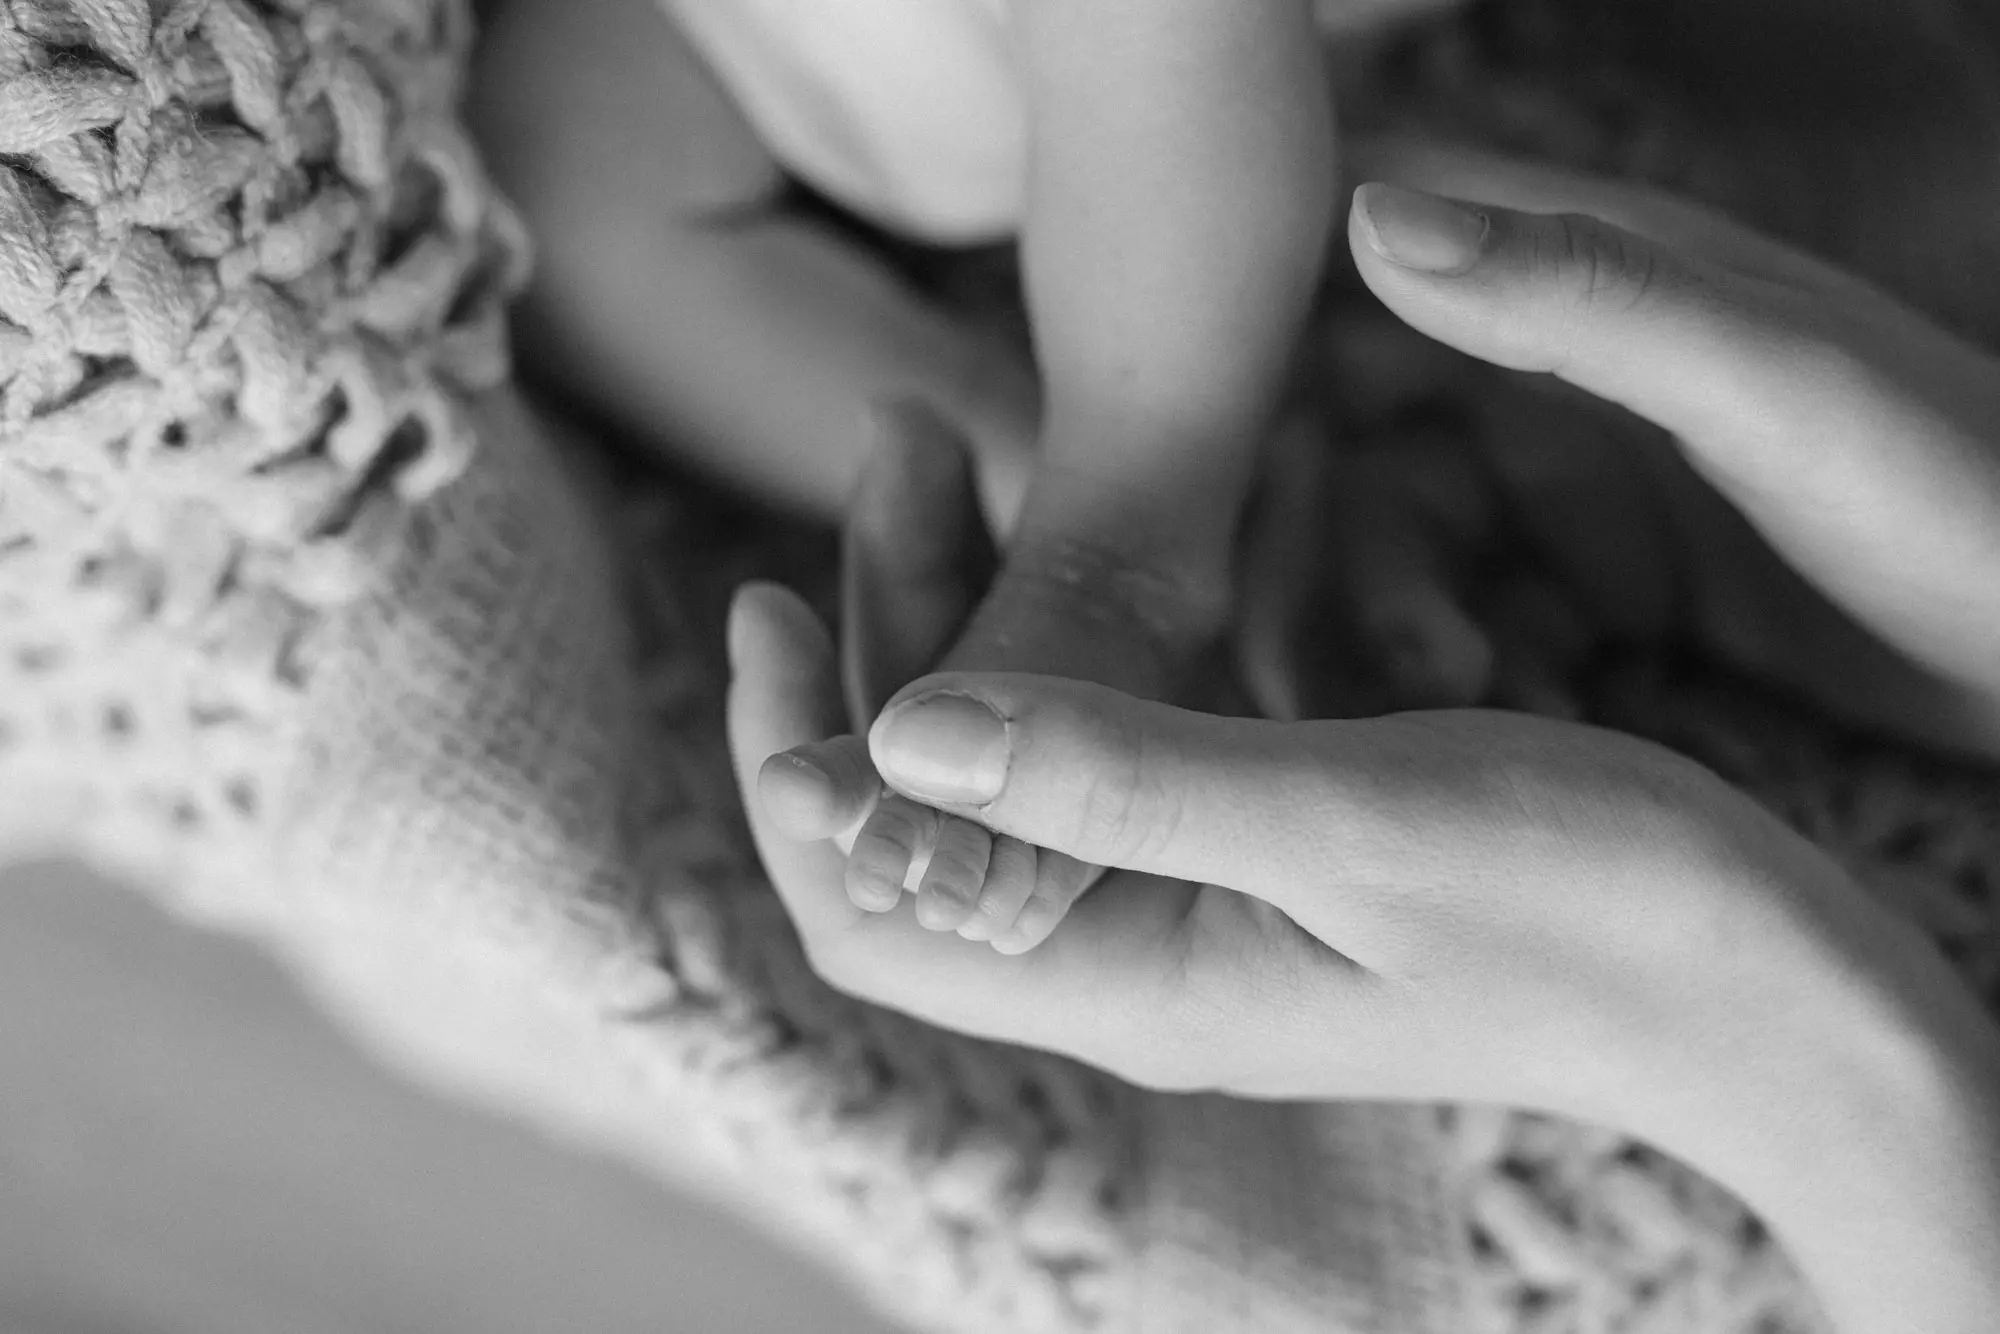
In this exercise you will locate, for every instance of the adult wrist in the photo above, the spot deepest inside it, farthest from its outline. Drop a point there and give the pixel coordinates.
(1887, 1192)
(1863, 1123)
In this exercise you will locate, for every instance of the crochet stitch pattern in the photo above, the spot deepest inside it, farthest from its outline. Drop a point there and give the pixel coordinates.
(249, 267)
(305, 625)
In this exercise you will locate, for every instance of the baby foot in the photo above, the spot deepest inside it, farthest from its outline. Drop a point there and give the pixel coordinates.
(905, 847)
(965, 878)
(917, 559)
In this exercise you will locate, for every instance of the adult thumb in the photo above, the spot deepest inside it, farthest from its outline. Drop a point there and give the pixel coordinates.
(1106, 777)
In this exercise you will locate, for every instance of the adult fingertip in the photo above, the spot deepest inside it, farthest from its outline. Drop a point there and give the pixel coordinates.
(801, 798)
(1668, 336)
(769, 624)
(755, 615)
(1422, 232)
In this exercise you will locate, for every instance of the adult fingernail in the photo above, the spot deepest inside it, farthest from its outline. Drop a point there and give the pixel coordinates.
(1420, 231)
(949, 748)
(796, 794)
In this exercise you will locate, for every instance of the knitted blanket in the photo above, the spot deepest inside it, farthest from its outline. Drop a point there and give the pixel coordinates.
(310, 628)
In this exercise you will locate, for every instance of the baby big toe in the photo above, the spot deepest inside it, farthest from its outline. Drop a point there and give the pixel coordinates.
(897, 834)
(951, 884)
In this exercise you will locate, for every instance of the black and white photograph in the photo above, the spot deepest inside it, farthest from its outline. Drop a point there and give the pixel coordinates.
(999, 666)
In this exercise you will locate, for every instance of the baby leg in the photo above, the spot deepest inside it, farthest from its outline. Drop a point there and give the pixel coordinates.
(917, 559)
(680, 296)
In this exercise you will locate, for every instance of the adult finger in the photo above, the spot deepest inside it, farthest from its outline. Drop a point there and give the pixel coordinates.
(784, 692)
(916, 555)
(1674, 337)
(1850, 431)
(823, 789)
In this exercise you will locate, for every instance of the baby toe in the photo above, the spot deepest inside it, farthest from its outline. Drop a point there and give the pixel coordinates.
(951, 884)
(1010, 879)
(899, 833)
(1059, 882)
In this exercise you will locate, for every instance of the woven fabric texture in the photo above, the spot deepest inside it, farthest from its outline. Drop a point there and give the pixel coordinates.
(307, 625)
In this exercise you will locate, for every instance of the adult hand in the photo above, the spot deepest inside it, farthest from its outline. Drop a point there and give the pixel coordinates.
(1467, 905)
(1461, 905)
(1828, 513)
(1464, 904)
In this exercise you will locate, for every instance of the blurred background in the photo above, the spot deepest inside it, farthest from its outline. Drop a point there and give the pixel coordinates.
(187, 1147)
